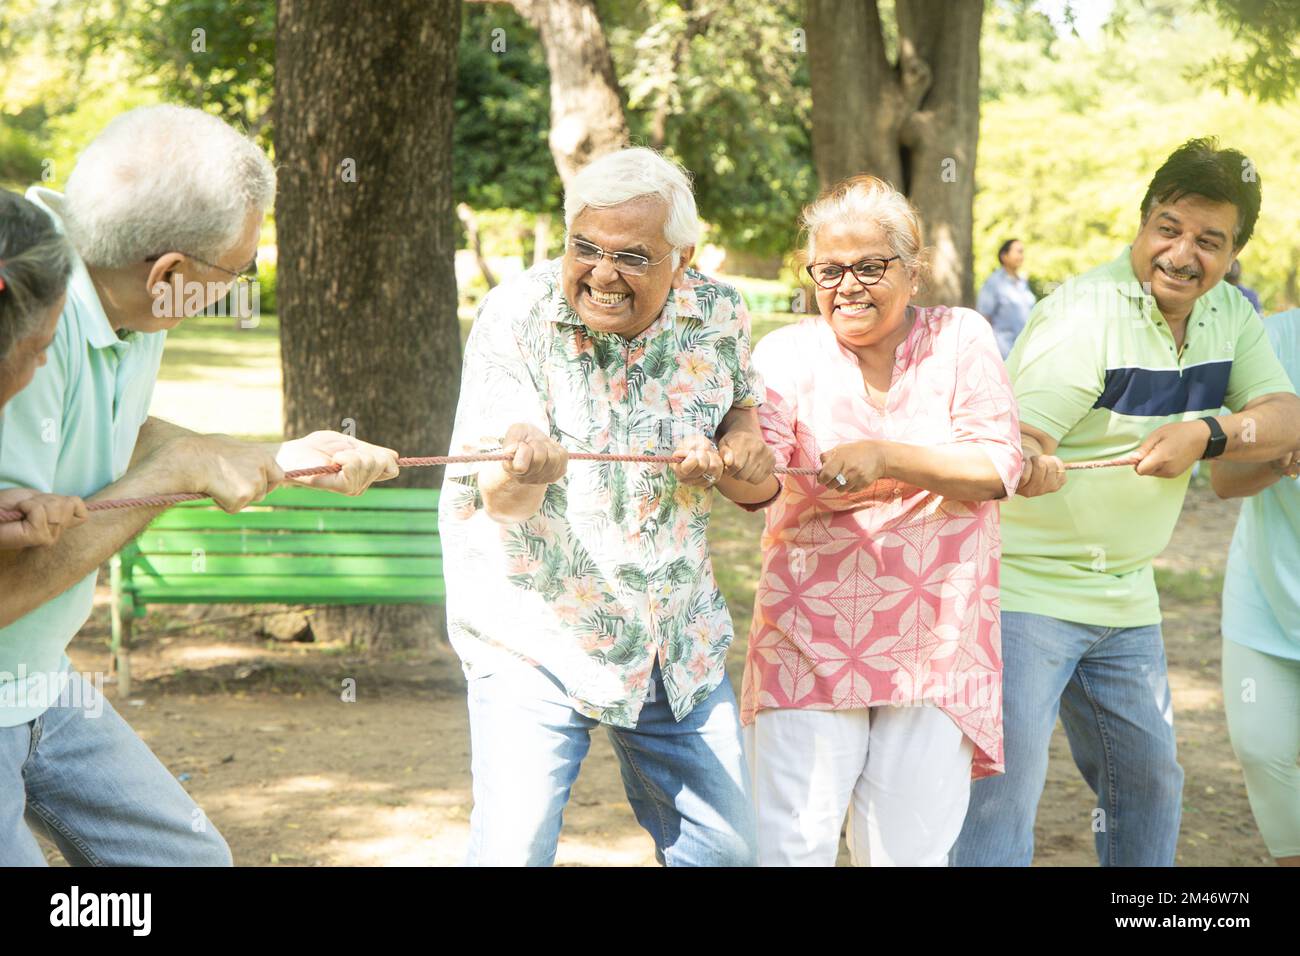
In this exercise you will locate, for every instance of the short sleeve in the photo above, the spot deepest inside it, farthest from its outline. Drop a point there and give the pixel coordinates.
(31, 424)
(1256, 370)
(1056, 366)
(983, 402)
(498, 386)
(777, 414)
(747, 384)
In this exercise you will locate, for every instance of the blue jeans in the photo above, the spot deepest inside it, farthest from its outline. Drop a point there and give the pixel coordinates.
(1111, 688)
(79, 774)
(688, 782)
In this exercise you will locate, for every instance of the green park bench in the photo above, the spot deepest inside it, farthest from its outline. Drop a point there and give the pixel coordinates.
(296, 546)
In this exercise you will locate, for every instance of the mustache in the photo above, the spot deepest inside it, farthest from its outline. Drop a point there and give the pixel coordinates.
(1164, 265)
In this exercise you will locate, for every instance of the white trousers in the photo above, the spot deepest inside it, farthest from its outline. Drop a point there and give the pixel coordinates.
(902, 774)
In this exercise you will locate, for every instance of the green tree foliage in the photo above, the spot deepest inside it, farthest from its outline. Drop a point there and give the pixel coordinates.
(732, 81)
(1070, 141)
(502, 160)
(218, 55)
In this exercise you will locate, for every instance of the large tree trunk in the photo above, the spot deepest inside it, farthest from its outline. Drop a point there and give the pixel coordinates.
(365, 221)
(913, 122)
(586, 111)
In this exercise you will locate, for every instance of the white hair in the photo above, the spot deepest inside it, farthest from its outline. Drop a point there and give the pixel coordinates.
(866, 199)
(164, 179)
(628, 174)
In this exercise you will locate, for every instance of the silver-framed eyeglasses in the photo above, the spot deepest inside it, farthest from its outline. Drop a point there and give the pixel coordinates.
(628, 263)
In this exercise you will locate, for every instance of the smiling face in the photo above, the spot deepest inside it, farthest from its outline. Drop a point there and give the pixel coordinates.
(27, 355)
(611, 301)
(1184, 249)
(862, 316)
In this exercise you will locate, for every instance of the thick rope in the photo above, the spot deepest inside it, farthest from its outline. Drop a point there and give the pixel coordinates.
(156, 501)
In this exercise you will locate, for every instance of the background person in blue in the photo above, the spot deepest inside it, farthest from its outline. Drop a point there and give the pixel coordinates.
(1005, 299)
(163, 210)
(1261, 625)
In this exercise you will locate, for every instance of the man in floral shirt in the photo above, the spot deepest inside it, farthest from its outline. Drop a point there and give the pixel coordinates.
(583, 594)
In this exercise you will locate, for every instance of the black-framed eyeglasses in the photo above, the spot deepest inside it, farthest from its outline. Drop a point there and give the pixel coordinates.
(829, 275)
(628, 263)
(247, 277)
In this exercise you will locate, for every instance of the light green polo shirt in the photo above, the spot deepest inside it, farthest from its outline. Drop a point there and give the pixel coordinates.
(1096, 368)
(71, 431)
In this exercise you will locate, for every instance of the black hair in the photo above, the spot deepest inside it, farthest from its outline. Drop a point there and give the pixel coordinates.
(35, 262)
(1005, 248)
(1200, 168)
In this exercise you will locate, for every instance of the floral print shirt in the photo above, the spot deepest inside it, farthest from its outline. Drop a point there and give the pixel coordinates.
(613, 571)
(888, 596)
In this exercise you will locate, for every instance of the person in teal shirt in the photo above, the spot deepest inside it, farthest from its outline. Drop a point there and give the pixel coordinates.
(163, 210)
(35, 261)
(1261, 625)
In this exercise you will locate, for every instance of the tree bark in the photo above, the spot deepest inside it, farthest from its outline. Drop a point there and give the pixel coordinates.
(913, 122)
(369, 336)
(586, 109)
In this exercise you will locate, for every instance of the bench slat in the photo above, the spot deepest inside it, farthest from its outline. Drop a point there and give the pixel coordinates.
(173, 566)
(255, 542)
(408, 522)
(279, 589)
(387, 499)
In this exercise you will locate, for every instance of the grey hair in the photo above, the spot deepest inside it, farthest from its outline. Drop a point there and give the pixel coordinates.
(35, 262)
(164, 179)
(866, 199)
(628, 174)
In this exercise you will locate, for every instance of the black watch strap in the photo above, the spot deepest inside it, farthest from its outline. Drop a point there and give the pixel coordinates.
(1218, 442)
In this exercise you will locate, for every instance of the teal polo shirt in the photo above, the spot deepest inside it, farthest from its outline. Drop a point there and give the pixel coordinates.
(1096, 368)
(71, 431)
(1261, 587)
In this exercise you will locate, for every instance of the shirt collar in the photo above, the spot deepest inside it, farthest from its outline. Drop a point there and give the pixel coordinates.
(81, 289)
(1126, 280)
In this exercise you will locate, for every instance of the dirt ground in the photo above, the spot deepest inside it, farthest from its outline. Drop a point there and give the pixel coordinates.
(294, 775)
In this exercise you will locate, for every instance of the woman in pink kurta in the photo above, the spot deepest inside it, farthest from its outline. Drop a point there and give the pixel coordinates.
(872, 680)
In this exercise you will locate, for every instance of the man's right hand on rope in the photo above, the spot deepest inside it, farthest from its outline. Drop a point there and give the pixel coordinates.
(233, 473)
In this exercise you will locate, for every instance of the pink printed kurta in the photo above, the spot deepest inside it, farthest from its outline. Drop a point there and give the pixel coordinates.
(889, 595)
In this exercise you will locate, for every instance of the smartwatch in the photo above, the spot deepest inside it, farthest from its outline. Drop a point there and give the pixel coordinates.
(1218, 442)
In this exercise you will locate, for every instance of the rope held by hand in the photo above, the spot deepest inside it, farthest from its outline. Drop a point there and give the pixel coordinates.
(155, 501)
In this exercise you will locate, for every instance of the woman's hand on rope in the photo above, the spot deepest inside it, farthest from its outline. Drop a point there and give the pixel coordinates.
(538, 460)
(852, 467)
(362, 463)
(45, 517)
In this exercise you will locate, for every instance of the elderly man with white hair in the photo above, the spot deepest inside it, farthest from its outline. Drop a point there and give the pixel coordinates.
(163, 210)
(582, 594)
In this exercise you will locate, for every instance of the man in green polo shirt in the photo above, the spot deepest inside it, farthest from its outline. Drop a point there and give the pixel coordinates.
(1135, 358)
(163, 210)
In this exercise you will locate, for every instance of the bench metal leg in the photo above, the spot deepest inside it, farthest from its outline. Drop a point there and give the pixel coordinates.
(120, 646)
